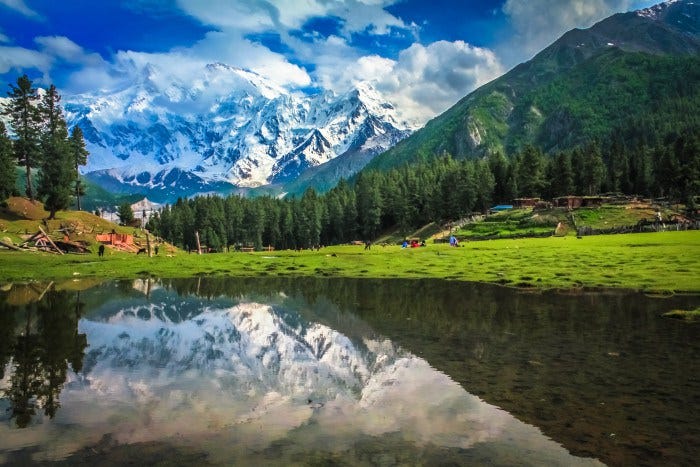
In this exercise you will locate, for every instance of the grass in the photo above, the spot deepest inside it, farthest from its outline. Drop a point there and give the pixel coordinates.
(608, 216)
(684, 315)
(662, 262)
(516, 222)
(20, 217)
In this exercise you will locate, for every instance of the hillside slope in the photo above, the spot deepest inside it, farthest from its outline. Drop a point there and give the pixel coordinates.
(586, 85)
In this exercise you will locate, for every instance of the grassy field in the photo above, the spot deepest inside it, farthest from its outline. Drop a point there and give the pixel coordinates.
(526, 222)
(655, 262)
(516, 222)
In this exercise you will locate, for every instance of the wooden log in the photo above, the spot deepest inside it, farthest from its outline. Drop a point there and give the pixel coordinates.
(29, 240)
(51, 241)
(11, 247)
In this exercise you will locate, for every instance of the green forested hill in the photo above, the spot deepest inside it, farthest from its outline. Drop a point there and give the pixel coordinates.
(628, 75)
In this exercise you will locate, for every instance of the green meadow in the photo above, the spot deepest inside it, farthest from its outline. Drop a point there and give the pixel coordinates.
(666, 262)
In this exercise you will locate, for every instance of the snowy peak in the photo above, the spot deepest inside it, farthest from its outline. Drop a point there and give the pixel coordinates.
(656, 12)
(682, 15)
(225, 125)
(313, 151)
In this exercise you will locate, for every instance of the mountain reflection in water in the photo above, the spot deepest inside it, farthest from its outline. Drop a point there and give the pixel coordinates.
(237, 371)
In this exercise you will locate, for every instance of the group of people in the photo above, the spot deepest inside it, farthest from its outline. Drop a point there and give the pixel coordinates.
(413, 244)
(454, 241)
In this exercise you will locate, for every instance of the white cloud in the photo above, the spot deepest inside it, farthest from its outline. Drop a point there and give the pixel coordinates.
(235, 50)
(538, 23)
(249, 16)
(21, 7)
(62, 48)
(427, 80)
(423, 81)
(20, 59)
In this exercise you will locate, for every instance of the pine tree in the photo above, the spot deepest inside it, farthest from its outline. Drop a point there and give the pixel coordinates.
(369, 205)
(618, 166)
(641, 174)
(531, 172)
(7, 166)
(485, 183)
(125, 213)
(499, 165)
(25, 120)
(79, 154)
(310, 222)
(593, 170)
(561, 177)
(254, 222)
(57, 166)
(687, 152)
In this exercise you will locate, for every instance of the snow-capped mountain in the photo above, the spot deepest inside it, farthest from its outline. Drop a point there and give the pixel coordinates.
(228, 126)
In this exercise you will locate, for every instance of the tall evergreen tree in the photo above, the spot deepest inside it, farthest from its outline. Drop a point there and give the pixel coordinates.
(310, 221)
(125, 213)
(485, 183)
(618, 166)
(369, 205)
(499, 166)
(7, 166)
(687, 152)
(254, 222)
(55, 182)
(79, 154)
(592, 170)
(641, 174)
(531, 172)
(561, 175)
(25, 119)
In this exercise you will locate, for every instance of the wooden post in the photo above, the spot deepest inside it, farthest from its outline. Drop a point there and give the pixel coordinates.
(148, 244)
(51, 241)
(199, 246)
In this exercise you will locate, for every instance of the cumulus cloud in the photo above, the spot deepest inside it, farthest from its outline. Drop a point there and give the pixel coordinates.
(426, 80)
(186, 65)
(422, 81)
(235, 50)
(538, 23)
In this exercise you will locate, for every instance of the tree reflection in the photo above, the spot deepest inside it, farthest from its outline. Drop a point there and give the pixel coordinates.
(39, 348)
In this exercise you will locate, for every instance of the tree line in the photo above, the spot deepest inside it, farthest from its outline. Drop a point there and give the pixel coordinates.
(440, 190)
(40, 141)
(635, 160)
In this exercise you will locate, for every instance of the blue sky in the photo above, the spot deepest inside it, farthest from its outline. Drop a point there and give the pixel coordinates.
(423, 55)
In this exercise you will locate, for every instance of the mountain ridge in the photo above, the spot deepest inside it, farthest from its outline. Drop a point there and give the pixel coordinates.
(505, 114)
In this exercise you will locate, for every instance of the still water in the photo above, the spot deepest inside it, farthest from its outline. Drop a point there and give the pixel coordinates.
(344, 372)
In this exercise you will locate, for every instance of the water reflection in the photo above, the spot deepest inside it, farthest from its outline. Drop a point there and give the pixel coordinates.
(313, 371)
(40, 341)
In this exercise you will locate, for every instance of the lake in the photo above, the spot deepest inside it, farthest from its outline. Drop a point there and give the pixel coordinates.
(223, 371)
